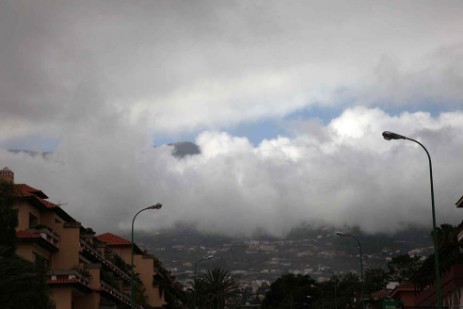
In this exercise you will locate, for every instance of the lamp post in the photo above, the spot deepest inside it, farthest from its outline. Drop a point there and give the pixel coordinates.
(132, 274)
(206, 258)
(390, 136)
(362, 282)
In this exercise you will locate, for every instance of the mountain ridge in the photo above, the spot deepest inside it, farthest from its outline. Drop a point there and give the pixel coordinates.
(314, 251)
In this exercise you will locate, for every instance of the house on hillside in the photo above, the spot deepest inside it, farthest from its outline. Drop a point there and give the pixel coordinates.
(83, 271)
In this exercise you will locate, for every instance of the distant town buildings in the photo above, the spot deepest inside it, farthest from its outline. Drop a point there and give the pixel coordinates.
(93, 271)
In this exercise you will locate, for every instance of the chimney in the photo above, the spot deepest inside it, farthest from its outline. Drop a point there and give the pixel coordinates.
(6, 175)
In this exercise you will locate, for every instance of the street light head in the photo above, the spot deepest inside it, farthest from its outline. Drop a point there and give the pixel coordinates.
(388, 135)
(156, 206)
(340, 234)
(210, 257)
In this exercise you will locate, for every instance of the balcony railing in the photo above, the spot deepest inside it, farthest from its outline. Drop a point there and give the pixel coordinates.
(66, 276)
(86, 247)
(460, 236)
(45, 233)
(114, 293)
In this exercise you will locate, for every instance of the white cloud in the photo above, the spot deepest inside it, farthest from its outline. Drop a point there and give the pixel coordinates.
(103, 78)
(172, 66)
(236, 188)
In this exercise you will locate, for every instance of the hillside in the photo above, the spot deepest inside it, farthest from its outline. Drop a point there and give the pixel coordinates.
(318, 252)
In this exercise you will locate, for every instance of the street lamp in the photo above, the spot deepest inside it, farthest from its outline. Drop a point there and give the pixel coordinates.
(389, 136)
(206, 258)
(132, 275)
(361, 265)
(335, 291)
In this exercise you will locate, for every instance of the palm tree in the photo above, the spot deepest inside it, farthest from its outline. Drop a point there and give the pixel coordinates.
(216, 289)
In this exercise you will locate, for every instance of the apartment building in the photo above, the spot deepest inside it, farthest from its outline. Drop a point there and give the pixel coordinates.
(84, 271)
(144, 265)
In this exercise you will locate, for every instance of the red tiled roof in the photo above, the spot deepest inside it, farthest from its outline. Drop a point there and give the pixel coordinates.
(75, 282)
(63, 281)
(383, 293)
(26, 235)
(117, 241)
(48, 204)
(26, 189)
(113, 240)
(403, 287)
(37, 238)
(22, 190)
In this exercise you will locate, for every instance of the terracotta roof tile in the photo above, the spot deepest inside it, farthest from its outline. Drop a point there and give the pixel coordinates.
(403, 287)
(26, 235)
(117, 241)
(383, 293)
(48, 204)
(26, 189)
(113, 240)
(63, 281)
(22, 190)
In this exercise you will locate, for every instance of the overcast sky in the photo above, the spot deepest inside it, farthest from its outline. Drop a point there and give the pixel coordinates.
(287, 101)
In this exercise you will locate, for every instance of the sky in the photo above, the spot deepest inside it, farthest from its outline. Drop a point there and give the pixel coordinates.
(286, 101)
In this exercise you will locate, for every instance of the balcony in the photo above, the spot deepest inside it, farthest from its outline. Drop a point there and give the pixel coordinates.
(46, 234)
(115, 294)
(68, 277)
(43, 237)
(104, 261)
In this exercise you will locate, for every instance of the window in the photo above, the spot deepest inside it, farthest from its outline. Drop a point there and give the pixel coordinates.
(41, 262)
(33, 220)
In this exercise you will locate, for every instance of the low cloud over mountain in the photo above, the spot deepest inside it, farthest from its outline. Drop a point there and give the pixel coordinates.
(285, 101)
(341, 174)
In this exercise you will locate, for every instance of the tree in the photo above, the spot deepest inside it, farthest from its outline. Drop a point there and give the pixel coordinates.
(173, 293)
(291, 291)
(447, 235)
(22, 283)
(349, 287)
(402, 267)
(8, 219)
(449, 252)
(375, 280)
(216, 289)
(328, 293)
(449, 247)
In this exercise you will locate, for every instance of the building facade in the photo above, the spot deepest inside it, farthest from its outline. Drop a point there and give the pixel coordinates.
(83, 271)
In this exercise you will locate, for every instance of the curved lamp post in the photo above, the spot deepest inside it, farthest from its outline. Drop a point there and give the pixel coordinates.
(206, 258)
(361, 265)
(132, 274)
(390, 136)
